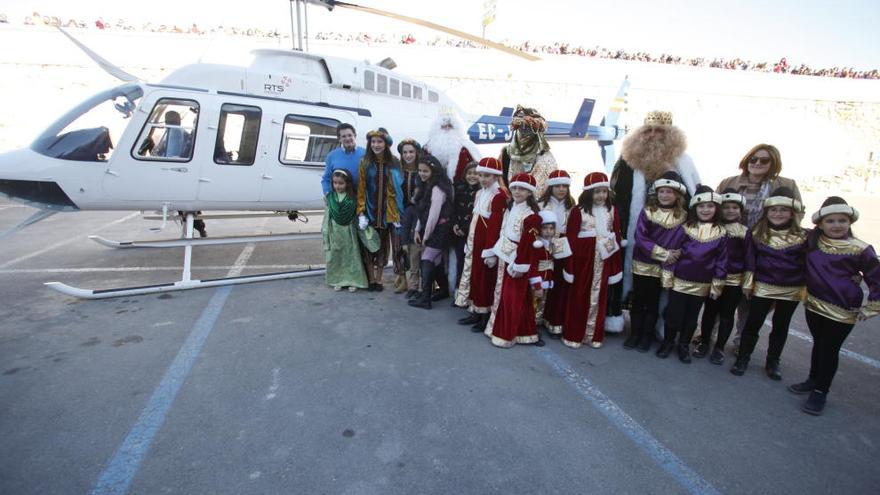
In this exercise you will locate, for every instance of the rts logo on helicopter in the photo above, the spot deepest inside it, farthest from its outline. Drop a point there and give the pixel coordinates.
(271, 88)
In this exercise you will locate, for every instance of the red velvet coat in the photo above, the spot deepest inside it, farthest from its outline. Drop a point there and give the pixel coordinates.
(513, 314)
(587, 294)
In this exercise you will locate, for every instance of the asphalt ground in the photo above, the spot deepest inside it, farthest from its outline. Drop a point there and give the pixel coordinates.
(289, 387)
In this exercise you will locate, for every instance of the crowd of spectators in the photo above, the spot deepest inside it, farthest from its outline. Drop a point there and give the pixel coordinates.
(558, 48)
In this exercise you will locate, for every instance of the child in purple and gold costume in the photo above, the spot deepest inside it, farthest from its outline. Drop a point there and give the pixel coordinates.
(723, 308)
(775, 275)
(700, 271)
(836, 263)
(658, 228)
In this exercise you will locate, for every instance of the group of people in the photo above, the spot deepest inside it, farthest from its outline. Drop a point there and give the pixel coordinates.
(782, 66)
(506, 239)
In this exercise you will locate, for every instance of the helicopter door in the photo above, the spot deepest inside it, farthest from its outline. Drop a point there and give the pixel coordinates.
(160, 166)
(306, 140)
(233, 176)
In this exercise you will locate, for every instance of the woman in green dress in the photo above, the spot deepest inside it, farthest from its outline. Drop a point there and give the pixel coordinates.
(342, 253)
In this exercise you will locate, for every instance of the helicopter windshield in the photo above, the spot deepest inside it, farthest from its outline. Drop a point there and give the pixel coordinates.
(90, 131)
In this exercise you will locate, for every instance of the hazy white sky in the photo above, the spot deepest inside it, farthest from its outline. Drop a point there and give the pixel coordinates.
(817, 32)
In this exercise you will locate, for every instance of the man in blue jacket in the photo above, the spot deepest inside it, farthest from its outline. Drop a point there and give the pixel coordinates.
(348, 156)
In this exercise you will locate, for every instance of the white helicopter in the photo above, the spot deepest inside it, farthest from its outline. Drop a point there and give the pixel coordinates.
(214, 137)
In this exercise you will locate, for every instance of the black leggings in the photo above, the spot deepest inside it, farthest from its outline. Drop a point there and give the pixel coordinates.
(615, 299)
(758, 309)
(723, 308)
(681, 316)
(828, 337)
(645, 294)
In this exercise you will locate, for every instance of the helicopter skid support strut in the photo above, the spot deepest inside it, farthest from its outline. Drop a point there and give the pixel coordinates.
(186, 281)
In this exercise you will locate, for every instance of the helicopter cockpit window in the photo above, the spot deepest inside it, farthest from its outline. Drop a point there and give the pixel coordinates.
(433, 97)
(237, 135)
(169, 133)
(307, 140)
(90, 131)
(381, 84)
(369, 80)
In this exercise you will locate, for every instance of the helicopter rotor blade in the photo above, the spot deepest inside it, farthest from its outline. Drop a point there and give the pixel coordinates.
(430, 25)
(108, 67)
(36, 217)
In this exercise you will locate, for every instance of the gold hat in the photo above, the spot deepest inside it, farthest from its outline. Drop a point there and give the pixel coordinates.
(658, 117)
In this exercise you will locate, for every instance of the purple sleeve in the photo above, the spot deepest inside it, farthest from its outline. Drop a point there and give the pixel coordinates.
(437, 199)
(870, 268)
(721, 259)
(643, 240)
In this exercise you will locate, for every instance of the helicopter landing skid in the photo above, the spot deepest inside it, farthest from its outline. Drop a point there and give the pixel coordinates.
(207, 241)
(186, 282)
(176, 286)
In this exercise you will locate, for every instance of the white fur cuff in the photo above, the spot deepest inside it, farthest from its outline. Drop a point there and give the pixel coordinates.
(614, 324)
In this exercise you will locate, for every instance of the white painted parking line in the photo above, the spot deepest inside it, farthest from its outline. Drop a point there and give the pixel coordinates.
(845, 352)
(665, 458)
(65, 242)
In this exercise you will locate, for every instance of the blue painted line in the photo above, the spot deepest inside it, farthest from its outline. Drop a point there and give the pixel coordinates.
(120, 471)
(664, 457)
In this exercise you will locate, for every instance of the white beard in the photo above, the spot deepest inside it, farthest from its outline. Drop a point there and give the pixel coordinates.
(446, 146)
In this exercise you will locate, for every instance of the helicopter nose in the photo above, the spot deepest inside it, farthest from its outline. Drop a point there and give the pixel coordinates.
(19, 183)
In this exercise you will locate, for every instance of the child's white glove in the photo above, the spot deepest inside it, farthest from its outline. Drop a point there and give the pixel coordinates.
(362, 222)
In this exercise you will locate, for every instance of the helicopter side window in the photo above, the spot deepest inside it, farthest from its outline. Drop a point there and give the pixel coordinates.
(382, 84)
(417, 92)
(395, 87)
(406, 90)
(369, 80)
(433, 97)
(169, 133)
(307, 140)
(237, 135)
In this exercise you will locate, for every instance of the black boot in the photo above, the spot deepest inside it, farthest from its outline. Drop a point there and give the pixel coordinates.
(815, 403)
(773, 370)
(684, 353)
(636, 329)
(199, 225)
(470, 319)
(740, 366)
(802, 388)
(442, 282)
(412, 293)
(424, 300)
(717, 356)
(701, 349)
(647, 337)
(480, 326)
(665, 349)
